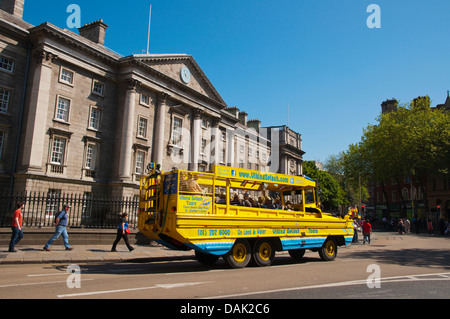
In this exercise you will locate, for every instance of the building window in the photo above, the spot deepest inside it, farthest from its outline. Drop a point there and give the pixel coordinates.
(91, 156)
(98, 88)
(62, 109)
(140, 160)
(405, 194)
(66, 76)
(6, 64)
(142, 127)
(4, 100)
(58, 151)
(145, 99)
(177, 131)
(94, 118)
(203, 147)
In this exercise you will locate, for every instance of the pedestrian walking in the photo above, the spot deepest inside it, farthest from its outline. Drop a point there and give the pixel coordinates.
(356, 228)
(16, 227)
(367, 229)
(60, 228)
(122, 232)
(430, 227)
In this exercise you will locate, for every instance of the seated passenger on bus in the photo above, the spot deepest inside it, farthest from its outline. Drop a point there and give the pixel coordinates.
(235, 200)
(253, 202)
(246, 201)
(289, 206)
(221, 199)
(277, 204)
(267, 202)
(193, 186)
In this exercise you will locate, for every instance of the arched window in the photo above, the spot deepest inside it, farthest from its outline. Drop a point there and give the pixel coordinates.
(405, 193)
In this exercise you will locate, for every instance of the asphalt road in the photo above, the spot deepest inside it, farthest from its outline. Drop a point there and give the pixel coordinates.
(393, 266)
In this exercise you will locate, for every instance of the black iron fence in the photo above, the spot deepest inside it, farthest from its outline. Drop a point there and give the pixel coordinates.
(86, 210)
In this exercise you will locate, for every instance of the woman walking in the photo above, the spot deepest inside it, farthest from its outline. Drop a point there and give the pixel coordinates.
(122, 232)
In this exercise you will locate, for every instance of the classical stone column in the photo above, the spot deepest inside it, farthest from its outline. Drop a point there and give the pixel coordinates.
(127, 131)
(196, 139)
(217, 141)
(158, 147)
(35, 134)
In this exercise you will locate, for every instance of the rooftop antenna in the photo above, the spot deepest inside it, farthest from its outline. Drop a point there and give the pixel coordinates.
(149, 22)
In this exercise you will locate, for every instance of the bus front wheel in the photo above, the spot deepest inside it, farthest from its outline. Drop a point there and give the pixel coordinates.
(328, 251)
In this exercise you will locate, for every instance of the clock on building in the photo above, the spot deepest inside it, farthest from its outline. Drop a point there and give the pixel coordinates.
(185, 75)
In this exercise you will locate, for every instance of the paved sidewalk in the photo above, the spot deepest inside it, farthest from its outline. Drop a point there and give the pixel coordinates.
(90, 254)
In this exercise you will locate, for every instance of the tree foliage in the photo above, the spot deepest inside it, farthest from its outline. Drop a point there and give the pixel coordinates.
(412, 141)
(331, 194)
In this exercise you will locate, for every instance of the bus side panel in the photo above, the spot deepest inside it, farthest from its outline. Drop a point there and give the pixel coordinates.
(302, 243)
(220, 247)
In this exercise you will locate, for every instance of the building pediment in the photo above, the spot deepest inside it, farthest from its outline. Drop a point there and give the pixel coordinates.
(183, 72)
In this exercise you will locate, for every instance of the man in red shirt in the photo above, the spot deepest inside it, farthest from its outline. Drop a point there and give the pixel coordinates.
(16, 226)
(367, 229)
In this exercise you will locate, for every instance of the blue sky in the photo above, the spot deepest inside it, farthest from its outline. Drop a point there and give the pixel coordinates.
(318, 57)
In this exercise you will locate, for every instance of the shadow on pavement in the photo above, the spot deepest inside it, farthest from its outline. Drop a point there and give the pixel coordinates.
(407, 257)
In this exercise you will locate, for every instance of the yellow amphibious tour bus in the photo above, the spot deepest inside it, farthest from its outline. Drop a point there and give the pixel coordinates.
(240, 214)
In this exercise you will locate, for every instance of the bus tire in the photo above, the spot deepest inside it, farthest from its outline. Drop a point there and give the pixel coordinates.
(206, 259)
(240, 254)
(297, 253)
(328, 251)
(263, 252)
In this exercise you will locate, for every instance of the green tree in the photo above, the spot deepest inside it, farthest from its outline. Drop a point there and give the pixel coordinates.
(412, 141)
(331, 194)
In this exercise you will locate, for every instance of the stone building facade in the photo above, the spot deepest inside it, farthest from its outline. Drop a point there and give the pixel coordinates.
(289, 150)
(77, 117)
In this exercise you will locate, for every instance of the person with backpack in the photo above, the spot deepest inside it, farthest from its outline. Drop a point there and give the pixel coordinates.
(61, 224)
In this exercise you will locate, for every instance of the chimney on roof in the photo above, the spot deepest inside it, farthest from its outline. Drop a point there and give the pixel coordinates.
(256, 124)
(94, 31)
(233, 110)
(389, 106)
(243, 118)
(14, 7)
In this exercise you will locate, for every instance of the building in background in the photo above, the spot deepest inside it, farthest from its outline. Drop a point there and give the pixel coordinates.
(78, 117)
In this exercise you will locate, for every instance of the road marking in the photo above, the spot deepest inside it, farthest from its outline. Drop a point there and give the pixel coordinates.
(421, 277)
(164, 286)
(47, 275)
(85, 272)
(39, 283)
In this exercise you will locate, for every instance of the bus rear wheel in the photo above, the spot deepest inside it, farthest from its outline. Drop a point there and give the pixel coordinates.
(328, 251)
(263, 252)
(240, 254)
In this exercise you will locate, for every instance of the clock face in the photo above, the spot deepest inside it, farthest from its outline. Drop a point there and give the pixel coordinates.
(185, 75)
